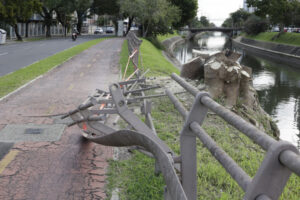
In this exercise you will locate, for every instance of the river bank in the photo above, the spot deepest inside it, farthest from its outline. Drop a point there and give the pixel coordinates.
(282, 53)
(135, 176)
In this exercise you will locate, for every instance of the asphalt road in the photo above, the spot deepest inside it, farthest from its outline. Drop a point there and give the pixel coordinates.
(19, 55)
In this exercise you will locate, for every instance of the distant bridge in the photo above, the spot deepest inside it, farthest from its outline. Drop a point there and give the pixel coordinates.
(219, 29)
(230, 32)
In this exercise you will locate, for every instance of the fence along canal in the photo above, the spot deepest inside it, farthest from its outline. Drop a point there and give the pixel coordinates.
(282, 158)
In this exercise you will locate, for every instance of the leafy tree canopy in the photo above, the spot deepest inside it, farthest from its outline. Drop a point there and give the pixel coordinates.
(277, 11)
(188, 11)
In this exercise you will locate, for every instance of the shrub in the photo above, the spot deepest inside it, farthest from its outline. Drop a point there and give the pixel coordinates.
(255, 25)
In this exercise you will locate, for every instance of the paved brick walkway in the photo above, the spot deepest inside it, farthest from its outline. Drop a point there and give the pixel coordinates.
(70, 168)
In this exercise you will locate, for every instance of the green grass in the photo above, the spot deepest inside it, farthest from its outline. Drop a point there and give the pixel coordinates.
(150, 58)
(285, 38)
(11, 82)
(166, 36)
(135, 176)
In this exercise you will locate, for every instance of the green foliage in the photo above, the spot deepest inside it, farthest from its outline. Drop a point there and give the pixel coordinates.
(156, 16)
(163, 37)
(286, 38)
(228, 22)
(135, 178)
(150, 58)
(203, 20)
(200, 23)
(188, 11)
(14, 11)
(239, 17)
(10, 82)
(255, 25)
(236, 19)
(278, 11)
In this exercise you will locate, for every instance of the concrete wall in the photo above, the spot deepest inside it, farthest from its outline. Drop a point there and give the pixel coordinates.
(286, 54)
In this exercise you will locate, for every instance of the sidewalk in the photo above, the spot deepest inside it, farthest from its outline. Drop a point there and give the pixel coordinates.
(49, 160)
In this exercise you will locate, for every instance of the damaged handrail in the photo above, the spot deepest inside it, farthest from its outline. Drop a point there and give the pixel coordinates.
(281, 160)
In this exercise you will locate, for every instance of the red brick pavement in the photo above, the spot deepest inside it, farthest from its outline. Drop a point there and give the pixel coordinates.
(71, 168)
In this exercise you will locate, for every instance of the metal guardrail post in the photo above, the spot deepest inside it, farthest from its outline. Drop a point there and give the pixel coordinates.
(271, 177)
(188, 149)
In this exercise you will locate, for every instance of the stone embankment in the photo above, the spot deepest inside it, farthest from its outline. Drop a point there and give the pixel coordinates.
(287, 54)
(169, 45)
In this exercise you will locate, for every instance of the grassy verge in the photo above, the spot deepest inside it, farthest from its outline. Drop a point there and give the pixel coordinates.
(161, 38)
(135, 176)
(285, 38)
(10, 82)
(150, 58)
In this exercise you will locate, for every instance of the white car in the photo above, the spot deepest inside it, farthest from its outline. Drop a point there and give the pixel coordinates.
(98, 31)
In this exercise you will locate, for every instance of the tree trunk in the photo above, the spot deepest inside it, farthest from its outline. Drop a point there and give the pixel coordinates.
(19, 38)
(79, 25)
(129, 24)
(26, 31)
(48, 30)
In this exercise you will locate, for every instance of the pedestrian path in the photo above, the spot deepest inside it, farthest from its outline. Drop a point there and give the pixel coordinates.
(48, 160)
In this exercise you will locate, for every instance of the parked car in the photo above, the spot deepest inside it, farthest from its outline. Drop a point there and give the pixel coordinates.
(98, 31)
(110, 29)
(275, 29)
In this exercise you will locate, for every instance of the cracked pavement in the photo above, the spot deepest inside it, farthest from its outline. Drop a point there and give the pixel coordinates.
(72, 167)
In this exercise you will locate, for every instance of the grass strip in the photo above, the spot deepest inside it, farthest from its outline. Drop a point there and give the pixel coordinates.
(161, 38)
(285, 38)
(150, 58)
(12, 81)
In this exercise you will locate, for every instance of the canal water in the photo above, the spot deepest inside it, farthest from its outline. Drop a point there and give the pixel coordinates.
(278, 85)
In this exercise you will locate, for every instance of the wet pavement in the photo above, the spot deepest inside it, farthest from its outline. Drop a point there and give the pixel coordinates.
(71, 167)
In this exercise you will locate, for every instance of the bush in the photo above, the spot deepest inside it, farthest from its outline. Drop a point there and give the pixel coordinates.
(255, 25)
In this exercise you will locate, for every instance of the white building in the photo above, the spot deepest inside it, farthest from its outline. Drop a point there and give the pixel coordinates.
(248, 9)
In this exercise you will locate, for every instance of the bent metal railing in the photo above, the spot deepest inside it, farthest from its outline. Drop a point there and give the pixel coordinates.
(281, 159)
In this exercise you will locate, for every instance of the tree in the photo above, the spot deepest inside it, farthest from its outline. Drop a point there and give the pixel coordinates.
(107, 7)
(278, 11)
(14, 11)
(130, 9)
(239, 17)
(82, 8)
(47, 12)
(255, 25)
(195, 23)
(156, 16)
(204, 21)
(188, 11)
(64, 14)
(228, 22)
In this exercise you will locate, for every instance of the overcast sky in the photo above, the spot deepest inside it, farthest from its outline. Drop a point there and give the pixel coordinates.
(218, 10)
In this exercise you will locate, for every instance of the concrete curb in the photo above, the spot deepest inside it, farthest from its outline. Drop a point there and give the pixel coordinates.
(293, 60)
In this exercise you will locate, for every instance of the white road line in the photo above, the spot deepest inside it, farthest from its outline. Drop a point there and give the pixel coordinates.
(3, 54)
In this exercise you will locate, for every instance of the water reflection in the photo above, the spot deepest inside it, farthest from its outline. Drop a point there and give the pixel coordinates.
(278, 85)
(209, 43)
(278, 88)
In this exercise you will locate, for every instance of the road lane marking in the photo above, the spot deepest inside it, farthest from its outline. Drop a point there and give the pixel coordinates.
(89, 65)
(7, 159)
(3, 54)
(71, 87)
(81, 74)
